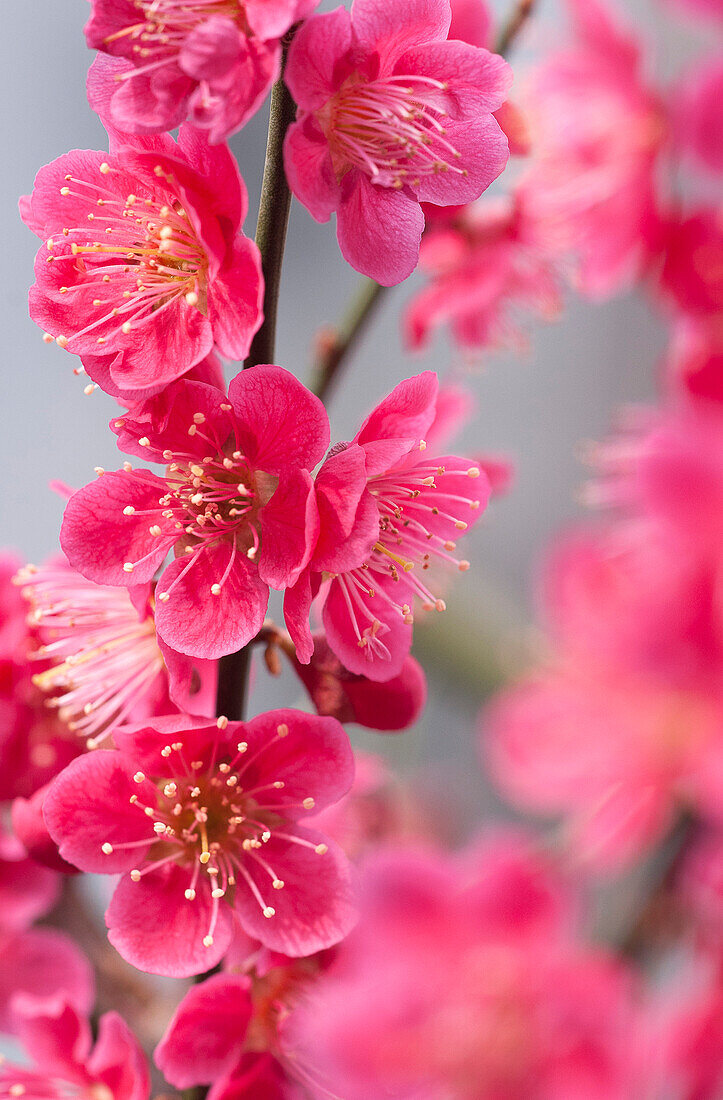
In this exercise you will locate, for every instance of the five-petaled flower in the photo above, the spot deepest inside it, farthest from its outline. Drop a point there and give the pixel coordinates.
(212, 63)
(387, 513)
(144, 267)
(391, 114)
(203, 821)
(236, 504)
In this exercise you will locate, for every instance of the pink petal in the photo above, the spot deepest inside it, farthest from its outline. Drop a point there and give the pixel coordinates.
(390, 30)
(317, 48)
(191, 681)
(281, 423)
(88, 805)
(478, 81)
(163, 421)
(471, 22)
(484, 153)
(408, 411)
(56, 1034)
(297, 606)
(396, 635)
(309, 169)
(154, 927)
(225, 190)
(27, 890)
(118, 1061)
(235, 300)
(211, 48)
(43, 963)
(379, 229)
(289, 529)
(348, 514)
(98, 539)
(314, 910)
(207, 1033)
(200, 623)
(314, 759)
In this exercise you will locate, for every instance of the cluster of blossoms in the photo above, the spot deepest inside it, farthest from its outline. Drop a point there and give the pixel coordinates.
(339, 949)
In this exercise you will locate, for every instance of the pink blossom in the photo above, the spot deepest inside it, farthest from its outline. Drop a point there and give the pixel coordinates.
(213, 64)
(236, 504)
(623, 725)
(183, 810)
(485, 268)
(59, 1040)
(391, 706)
(596, 132)
(387, 513)
(144, 267)
(102, 662)
(436, 994)
(426, 133)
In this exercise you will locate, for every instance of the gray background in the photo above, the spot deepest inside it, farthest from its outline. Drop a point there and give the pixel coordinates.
(538, 411)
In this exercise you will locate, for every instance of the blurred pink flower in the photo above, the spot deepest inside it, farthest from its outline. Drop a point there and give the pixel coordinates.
(203, 821)
(58, 1039)
(596, 131)
(486, 268)
(391, 115)
(466, 982)
(144, 267)
(624, 725)
(236, 505)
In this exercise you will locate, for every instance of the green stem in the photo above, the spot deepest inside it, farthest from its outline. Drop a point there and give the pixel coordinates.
(273, 221)
(346, 336)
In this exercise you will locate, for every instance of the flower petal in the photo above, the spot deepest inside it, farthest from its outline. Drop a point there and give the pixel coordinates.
(155, 928)
(88, 805)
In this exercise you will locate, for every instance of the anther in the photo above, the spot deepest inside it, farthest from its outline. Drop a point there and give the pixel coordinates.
(106, 849)
(135, 876)
(222, 721)
(282, 730)
(269, 912)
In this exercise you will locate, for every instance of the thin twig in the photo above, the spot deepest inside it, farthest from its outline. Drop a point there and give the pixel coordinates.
(513, 26)
(338, 344)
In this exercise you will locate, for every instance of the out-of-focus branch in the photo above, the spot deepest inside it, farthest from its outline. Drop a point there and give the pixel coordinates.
(657, 916)
(337, 344)
(513, 26)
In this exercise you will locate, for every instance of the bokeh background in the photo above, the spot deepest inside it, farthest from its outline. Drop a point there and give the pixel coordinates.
(540, 411)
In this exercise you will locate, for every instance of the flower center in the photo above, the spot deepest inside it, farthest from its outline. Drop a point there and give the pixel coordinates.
(205, 819)
(147, 257)
(102, 658)
(392, 130)
(412, 503)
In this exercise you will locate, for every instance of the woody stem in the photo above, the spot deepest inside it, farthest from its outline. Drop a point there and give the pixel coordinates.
(271, 238)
